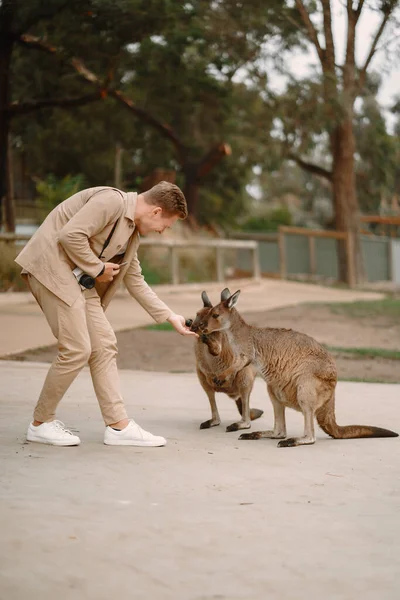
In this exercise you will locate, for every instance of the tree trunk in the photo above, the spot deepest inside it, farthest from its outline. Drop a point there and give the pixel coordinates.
(6, 45)
(9, 198)
(347, 217)
(195, 173)
(191, 191)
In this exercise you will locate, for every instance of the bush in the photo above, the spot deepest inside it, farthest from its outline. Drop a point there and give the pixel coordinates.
(270, 221)
(10, 278)
(51, 191)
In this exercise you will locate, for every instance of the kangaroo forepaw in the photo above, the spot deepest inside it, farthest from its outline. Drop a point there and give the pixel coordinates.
(237, 426)
(255, 435)
(209, 423)
(219, 382)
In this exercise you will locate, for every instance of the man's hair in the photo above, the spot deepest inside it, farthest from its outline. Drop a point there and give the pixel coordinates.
(169, 197)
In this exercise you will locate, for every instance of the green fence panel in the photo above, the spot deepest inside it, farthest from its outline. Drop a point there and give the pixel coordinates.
(326, 250)
(297, 259)
(376, 258)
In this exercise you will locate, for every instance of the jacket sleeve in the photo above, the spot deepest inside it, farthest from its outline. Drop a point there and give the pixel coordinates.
(99, 211)
(142, 292)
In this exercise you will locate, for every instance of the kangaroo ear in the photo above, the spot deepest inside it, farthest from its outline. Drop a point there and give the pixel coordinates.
(230, 302)
(206, 300)
(225, 294)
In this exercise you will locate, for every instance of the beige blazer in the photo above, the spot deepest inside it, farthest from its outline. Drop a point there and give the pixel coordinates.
(73, 234)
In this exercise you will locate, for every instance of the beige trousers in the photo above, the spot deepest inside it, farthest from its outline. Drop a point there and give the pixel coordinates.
(84, 335)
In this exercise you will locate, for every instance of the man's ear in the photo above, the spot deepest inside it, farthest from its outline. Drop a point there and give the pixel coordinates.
(157, 210)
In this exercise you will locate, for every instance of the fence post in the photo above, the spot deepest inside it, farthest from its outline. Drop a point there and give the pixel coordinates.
(351, 281)
(390, 243)
(220, 263)
(174, 263)
(256, 262)
(312, 257)
(282, 254)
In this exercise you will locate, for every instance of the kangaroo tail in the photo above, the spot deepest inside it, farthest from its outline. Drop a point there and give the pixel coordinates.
(327, 421)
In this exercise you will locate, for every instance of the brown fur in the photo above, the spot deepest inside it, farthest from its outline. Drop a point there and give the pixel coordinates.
(221, 369)
(300, 373)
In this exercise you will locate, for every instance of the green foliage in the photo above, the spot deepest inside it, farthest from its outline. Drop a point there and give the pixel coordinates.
(270, 221)
(183, 65)
(378, 156)
(10, 278)
(51, 191)
(154, 275)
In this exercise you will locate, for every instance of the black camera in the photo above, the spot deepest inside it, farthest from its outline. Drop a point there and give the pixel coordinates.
(86, 281)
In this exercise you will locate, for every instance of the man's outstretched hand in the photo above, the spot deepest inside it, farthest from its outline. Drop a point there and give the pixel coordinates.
(178, 323)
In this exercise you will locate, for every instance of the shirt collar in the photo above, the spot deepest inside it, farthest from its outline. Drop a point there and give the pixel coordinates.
(131, 201)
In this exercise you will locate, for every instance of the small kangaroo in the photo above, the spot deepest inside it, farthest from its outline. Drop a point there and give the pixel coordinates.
(299, 373)
(221, 369)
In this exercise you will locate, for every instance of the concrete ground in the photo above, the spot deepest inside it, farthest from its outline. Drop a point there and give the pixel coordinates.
(208, 517)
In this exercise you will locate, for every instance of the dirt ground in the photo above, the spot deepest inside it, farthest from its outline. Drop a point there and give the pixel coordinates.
(164, 351)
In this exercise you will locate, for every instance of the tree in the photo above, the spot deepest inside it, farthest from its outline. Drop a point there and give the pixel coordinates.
(326, 105)
(101, 28)
(189, 106)
(378, 153)
(15, 18)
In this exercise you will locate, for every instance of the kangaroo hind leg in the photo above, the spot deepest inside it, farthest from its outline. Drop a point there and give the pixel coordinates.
(307, 398)
(279, 430)
(243, 404)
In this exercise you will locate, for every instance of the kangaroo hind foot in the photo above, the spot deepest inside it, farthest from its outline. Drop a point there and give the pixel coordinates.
(291, 442)
(257, 435)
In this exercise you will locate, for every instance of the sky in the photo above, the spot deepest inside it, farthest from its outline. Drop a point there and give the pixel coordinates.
(385, 61)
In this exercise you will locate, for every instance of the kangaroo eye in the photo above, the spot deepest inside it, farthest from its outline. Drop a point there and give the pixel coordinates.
(215, 316)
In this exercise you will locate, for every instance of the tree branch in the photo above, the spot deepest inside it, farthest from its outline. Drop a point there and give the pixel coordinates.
(310, 167)
(312, 32)
(24, 108)
(45, 14)
(363, 70)
(92, 78)
(349, 65)
(212, 158)
(330, 46)
(162, 128)
(358, 10)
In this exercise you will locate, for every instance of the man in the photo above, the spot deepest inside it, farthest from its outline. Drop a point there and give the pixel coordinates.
(97, 232)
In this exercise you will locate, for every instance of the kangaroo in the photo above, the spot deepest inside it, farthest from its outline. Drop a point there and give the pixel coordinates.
(221, 369)
(300, 374)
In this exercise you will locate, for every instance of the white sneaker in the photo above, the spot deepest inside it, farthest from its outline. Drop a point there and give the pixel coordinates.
(53, 433)
(132, 435)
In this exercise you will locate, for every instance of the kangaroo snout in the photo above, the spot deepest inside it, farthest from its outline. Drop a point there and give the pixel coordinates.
(199, 328)
(198, 325)
(195, 325)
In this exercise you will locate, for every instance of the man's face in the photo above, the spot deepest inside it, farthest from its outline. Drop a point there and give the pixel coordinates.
(155, 221)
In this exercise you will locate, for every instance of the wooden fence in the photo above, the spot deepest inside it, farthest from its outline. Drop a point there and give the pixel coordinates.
(388, 226)
(175, 245)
